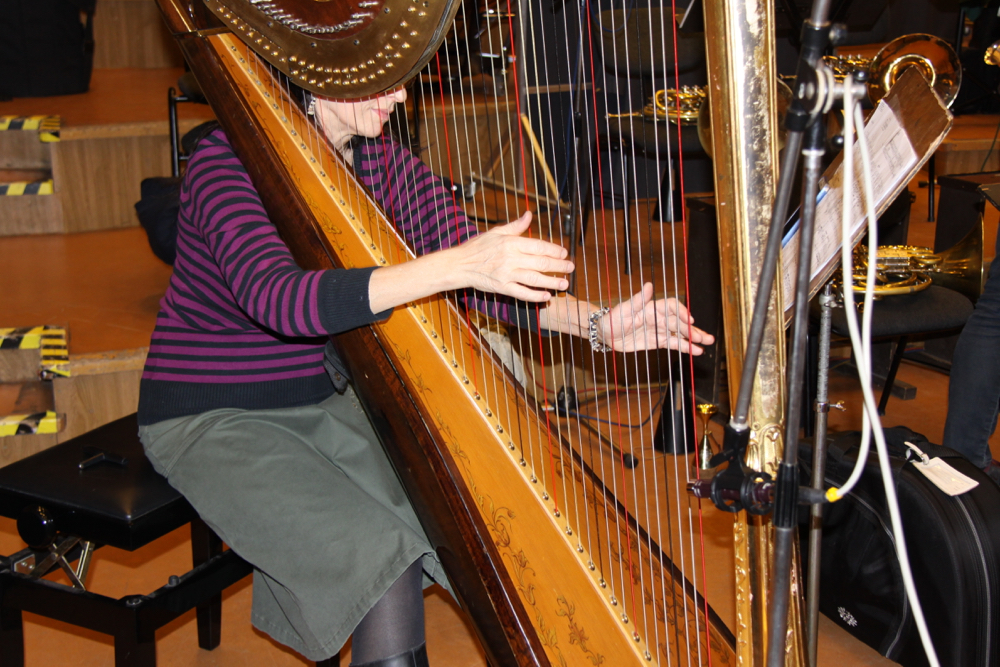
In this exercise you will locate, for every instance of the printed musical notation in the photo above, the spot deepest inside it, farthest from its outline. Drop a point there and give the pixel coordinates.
(893, 160)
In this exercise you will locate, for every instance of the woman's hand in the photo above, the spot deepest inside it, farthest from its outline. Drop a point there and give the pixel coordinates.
(505, 262)
(644, 324)
(501, 261)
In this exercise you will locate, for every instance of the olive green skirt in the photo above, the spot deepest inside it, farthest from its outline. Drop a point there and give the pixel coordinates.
(308, 496)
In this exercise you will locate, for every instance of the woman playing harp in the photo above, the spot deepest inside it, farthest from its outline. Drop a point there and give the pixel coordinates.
(274, 452)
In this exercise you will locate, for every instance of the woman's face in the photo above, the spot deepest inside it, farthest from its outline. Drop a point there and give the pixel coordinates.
(343, 120)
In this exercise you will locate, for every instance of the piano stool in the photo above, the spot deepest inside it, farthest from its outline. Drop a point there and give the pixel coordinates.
(99, 489)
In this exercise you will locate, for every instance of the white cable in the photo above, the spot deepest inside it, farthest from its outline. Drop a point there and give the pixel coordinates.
(862, 350)
(847, 272)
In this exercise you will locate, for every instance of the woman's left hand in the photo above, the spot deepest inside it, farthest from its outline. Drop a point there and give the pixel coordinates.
(644, 324)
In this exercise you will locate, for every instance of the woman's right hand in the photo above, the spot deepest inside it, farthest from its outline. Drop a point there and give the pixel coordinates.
(503, 261)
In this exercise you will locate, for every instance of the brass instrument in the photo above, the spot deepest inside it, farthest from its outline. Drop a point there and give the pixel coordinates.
(992, 54)
(904, 269)
(900, 269)
(678, 106)
(669, 104)
(933, 57)
(961, 267)
(843, 66)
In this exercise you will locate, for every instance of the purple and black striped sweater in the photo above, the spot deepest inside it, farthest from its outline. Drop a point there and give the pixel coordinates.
(241, 325)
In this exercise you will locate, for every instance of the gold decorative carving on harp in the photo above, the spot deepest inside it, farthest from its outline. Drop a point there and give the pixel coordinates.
(568, 536)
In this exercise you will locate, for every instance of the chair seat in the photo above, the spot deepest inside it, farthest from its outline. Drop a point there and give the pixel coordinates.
(119, 500)
(934, 309)
(654, 138)
(122, 506)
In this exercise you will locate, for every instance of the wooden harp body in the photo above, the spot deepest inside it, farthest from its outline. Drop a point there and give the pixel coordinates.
(509, 504)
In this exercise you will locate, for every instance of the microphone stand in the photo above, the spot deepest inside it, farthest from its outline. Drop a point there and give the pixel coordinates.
(737, 487)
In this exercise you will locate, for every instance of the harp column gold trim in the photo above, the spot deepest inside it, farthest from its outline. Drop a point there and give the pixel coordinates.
(743, 93)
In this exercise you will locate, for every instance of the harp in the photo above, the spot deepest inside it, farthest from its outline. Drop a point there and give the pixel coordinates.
(568, 539)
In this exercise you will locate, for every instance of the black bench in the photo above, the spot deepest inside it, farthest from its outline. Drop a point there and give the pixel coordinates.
(99, 489)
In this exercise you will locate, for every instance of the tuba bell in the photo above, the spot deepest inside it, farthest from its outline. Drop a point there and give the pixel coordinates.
(933, 57)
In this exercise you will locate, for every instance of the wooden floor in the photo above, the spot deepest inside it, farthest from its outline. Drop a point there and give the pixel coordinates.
(106, 286)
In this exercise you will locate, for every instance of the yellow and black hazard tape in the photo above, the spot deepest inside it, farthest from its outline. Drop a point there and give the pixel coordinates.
(50, 340)
(38, 423)
(26, 188)
(47, 126)
(48, 129)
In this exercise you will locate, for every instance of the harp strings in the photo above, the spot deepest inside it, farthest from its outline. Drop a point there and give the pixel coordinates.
(487, 146)
(618, 396)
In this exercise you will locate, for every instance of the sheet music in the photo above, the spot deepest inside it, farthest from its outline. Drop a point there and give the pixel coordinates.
(892, 159)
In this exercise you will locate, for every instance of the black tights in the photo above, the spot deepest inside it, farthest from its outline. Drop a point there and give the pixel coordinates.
(396, 623)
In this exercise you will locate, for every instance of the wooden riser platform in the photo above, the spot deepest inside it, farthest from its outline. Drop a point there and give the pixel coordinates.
(970, 146)
(105, 288)
(111, 138)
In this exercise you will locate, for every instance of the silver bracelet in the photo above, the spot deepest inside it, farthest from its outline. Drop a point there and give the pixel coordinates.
(596, 344)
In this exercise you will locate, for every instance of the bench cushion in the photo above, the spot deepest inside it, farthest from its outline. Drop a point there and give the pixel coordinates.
(121, 506)
(926, 312)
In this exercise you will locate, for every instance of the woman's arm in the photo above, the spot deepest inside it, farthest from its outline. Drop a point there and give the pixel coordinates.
(234, 271)
(641, 323)
(504, 262)
(500, 261)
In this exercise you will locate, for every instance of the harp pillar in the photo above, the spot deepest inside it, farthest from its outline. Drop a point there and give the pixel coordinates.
(742, 92)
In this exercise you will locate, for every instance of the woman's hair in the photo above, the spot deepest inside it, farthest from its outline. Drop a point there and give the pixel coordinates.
(304, 99)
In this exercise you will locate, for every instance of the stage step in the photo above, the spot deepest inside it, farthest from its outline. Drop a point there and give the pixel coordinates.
(96, 148)
(30, 358)
(48, 396)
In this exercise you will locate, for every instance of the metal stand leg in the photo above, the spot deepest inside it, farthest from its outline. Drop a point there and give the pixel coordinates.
(931, 182)
(175, 164)
(822, 407)
(890, 377)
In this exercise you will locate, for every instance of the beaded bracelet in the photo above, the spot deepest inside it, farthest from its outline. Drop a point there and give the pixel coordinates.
(596, 344)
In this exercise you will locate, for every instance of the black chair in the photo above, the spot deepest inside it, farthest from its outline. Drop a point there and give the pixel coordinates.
(933, 312)
(638, 44)
(99, 489)
(898, 319)
(190, 92)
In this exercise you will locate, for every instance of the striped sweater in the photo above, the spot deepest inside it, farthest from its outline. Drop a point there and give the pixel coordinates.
(241, 325)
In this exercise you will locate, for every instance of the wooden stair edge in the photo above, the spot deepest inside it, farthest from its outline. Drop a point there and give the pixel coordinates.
(150, 128)
(113, 361)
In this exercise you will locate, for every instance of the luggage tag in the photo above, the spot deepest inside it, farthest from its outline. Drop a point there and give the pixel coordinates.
(940, 473)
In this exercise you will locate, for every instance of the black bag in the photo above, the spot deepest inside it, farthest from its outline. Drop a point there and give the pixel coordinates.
(157, 211)
(954, 551)
(46, 47)
(160, 201)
